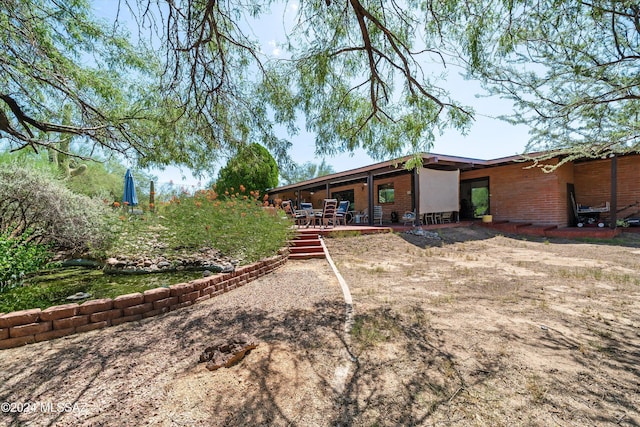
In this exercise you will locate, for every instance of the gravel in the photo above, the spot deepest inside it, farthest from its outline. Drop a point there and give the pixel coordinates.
(147, 372)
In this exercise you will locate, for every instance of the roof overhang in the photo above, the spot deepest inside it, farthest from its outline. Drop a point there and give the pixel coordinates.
(429, 160)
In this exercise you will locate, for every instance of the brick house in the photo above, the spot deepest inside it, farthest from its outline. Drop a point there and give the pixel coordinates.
(509, 188)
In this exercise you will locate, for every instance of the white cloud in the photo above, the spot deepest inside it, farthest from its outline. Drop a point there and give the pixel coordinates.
(275, 50)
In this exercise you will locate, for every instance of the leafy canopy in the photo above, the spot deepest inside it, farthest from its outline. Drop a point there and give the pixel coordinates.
(46, 46)
(571, 68)
(66, 74)
(298, 173)
(365, 74)
(252, 168)
(352, 72)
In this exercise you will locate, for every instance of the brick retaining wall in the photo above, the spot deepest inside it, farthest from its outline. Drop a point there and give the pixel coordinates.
(35, 325)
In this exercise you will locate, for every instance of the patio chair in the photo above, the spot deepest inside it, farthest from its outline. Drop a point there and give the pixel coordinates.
(446, 217)
(287, 206)
(300, 217)
(341, 213)
(409, 218)
(307, 207)
(433, 217)
(377, 214)
(328, 214)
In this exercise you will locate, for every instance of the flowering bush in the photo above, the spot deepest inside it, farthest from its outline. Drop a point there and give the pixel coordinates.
(235, 224)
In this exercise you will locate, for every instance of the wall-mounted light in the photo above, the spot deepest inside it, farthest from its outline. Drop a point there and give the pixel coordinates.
(311, 192)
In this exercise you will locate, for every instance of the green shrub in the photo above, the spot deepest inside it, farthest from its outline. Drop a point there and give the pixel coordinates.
(236, 225)
(253, 166)
(34, 200)
(18, 257)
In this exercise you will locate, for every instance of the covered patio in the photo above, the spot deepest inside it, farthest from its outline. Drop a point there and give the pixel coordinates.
(582, 193)
(382, 193)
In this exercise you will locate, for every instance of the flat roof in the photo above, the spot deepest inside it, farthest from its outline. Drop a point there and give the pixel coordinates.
(430, 160)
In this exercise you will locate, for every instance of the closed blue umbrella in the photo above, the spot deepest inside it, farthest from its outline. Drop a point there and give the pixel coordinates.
(129, 197)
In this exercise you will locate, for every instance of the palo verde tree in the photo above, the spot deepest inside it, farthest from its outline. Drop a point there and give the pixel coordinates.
(252, 167)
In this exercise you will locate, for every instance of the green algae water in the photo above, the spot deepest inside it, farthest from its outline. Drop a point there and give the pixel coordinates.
(55, 286)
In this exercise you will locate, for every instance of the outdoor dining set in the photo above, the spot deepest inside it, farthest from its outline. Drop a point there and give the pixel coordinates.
(336, 213)
(331, 214)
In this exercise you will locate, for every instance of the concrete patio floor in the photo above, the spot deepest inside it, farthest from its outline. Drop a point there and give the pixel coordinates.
(372, 229)
(505, 226)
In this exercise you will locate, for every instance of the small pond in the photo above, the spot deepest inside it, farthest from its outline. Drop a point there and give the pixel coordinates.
(55, 286)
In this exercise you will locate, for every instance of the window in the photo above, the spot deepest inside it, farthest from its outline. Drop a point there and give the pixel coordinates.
(345, 195)
(386, 193)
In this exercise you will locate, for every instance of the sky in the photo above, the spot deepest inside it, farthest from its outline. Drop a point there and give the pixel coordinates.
(488, 138)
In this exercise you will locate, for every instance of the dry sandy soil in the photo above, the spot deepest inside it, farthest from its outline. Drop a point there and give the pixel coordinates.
(473, 329)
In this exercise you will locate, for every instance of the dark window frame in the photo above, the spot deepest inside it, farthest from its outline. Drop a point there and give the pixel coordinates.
(384, 189)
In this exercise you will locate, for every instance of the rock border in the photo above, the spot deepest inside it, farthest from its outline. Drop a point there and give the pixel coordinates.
(35, 325)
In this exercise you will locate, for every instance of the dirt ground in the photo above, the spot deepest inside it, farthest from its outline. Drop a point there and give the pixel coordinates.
(469, 329)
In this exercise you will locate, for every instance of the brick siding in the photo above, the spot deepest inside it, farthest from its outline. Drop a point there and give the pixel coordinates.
(520, 192)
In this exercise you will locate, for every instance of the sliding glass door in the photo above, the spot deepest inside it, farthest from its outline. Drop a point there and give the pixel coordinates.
(474, 198)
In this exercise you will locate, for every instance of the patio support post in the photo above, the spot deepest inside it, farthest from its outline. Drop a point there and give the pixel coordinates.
(370, 197)
(328, 191)
(614, 192)
(415, 196)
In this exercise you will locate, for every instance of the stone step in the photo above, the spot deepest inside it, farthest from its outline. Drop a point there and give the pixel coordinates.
(305, 249)
(300, 256)
(306, 236)
(305, 242)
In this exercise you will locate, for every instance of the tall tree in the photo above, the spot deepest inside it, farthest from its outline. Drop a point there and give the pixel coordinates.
(354, 70)
(65, 74)
(308, 170)
(571, 68)
(369, 74)
(364, 74)
(44, 45)
(252, 167)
